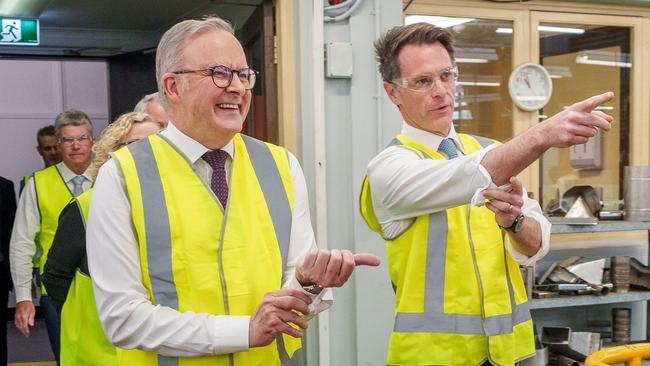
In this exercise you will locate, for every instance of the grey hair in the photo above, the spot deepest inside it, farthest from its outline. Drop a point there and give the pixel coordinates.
(72, 117)
(169, 54)
(142, 104)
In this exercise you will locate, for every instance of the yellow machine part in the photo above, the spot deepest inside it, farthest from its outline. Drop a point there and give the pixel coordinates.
(630, 354)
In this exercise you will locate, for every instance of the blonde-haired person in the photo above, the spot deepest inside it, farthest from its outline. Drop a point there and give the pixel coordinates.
(66, 275)
(127, 128)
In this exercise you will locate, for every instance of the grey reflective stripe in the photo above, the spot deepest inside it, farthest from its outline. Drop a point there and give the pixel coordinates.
(434, 319)
(268, 175)
(167, 361)
(159, 245)
(296, 360)
(483, 141)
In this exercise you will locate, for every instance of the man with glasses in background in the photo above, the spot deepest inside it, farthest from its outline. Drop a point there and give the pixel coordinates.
(455, 218)
(44, 196)
(199, 238)
(150, 104)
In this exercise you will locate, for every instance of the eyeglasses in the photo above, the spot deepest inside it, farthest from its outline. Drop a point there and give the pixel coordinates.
(222, 75)
(424, 83)
(83, 139)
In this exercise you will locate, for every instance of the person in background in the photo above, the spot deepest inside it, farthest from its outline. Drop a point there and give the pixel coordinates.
(7, 213)
(151, 105)
(455, 218)
(48, 149)
(66, 276)
(199, 240)
(45, 195)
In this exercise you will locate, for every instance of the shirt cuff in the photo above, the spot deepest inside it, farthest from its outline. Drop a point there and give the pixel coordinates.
(232, 335)
(485, 179)
(545, 228)
(23, 294)
(319, 303)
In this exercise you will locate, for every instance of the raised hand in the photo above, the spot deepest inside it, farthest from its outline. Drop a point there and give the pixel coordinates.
(506, 205)
(331, 268)
(273, 315)
(576, 124)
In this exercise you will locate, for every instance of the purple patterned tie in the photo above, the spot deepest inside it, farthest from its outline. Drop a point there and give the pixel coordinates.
(219, 183)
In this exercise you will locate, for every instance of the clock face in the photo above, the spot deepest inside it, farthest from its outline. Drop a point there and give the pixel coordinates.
(530, 86)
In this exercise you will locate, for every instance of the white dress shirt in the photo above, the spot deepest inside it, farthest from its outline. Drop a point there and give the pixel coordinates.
(405, 186)
(27, 224)
(128, 316)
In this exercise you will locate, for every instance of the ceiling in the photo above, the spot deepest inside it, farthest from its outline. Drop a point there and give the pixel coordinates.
(102, 28)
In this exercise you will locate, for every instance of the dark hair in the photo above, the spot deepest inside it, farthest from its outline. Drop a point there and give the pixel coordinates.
(44, 131)
(389, 45)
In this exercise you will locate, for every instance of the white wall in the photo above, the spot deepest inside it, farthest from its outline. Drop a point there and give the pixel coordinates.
(32, 93)
(359, 122)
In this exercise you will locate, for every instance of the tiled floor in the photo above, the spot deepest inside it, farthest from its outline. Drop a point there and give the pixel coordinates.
(36, 348)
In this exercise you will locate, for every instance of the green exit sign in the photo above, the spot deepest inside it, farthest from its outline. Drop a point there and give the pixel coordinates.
(17, 31)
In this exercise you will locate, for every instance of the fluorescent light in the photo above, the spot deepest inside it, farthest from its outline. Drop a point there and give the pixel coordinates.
(558, 72)
(475, 55)
(442, 22)
(478, 83)
(548, 28)
(22, 8)
(604, 58)
(585, 60)
(463, 60)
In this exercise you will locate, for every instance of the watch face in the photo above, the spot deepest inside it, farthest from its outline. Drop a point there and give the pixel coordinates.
(519, 223)
(530, 86)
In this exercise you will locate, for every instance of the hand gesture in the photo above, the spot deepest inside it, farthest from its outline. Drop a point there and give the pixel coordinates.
(327, 268)
(273, 315)
(506, 205)
(576, 124)
(24, 317)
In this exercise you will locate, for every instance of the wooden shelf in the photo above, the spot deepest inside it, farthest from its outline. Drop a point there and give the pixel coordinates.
(584, 300)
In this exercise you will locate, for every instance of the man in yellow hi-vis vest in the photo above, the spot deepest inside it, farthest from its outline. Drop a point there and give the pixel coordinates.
(455, 219)
(199, 240)
(45, 195)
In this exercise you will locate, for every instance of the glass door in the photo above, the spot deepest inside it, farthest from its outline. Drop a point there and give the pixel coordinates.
(587, 55)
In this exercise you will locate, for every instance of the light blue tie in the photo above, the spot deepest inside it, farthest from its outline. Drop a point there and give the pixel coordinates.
(448, 148)
(77, 182)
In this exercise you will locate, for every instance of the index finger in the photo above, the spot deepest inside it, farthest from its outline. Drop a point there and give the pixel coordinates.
(289, 292)
(591, 103)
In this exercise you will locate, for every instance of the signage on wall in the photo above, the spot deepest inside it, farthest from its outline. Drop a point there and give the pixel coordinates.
(17, 31)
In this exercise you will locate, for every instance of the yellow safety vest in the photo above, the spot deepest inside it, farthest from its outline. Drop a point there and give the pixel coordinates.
(83, 341)
(52, 195)
(460, 298)
(193, 256)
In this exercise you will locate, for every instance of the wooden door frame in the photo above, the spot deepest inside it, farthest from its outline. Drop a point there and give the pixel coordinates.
(262, 24)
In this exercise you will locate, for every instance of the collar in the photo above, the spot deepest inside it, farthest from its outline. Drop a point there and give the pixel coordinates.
(192, 149)
(68, 174)
(431, 140)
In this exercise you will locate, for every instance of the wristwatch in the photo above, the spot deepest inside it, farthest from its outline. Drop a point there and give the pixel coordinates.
(313, 289)
(516, 225)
